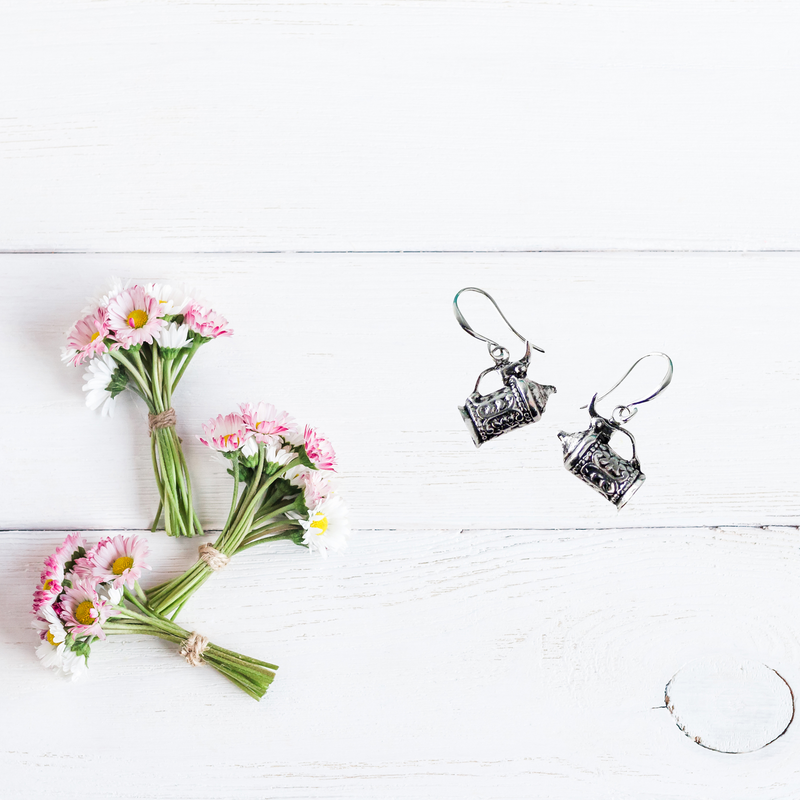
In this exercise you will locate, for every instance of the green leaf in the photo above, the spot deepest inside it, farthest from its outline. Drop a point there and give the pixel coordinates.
(118, 382)
(79, 646)
(70, 565)
(300, 505)
(304, 459)
(297, 538)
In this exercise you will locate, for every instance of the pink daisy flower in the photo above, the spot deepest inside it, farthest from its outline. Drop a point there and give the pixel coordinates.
(265, 421)
(66, 550)
(225, 433)
(52, 577)
(316, 485)
(120, 560)
(206, 322)
(134, 316)
(51, 584)
(83, 568)
(83, 611)
(318, 449)
(44, 596)
(86, 338)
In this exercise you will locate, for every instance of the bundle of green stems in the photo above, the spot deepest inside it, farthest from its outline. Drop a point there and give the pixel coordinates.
(261, 513)
(154, 373)
(134, 616)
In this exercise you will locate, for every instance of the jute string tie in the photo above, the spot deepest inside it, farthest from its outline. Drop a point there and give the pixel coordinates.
(166, 419)
(213, 557)
(193, 648)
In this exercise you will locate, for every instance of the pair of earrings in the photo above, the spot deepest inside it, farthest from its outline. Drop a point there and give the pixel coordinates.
(587, 454)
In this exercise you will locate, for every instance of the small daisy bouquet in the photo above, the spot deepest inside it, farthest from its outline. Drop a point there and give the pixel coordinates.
(86, 595)
(143, 338)
(282, 489)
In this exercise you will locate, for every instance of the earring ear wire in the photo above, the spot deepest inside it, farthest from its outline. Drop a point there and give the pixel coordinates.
(519, 402)
(589, 456)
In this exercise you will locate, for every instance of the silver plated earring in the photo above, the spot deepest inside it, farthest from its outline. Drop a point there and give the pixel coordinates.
(589, 456)
(519, 402)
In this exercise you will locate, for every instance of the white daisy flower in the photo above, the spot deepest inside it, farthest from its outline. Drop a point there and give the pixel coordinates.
(118, 286)
(293, 437)
(326, 528)
(249, 448)
(52, 649)
(114, 595)
(97, 379)
(74, 665)
(173, 336)
(275, 454)
(171, 299)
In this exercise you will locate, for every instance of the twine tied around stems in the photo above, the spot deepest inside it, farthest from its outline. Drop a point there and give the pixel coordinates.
(215, 559)
(166, 419)
(193, 648)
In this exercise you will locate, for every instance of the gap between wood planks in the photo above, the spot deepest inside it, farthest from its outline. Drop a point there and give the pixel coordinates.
(213, 531)
(357, 252)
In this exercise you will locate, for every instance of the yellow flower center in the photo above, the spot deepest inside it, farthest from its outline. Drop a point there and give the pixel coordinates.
(121, 564)
(321, 524)
(137, 318)
(51, 639)
(83, 613)
(46, 584)
(94, 336)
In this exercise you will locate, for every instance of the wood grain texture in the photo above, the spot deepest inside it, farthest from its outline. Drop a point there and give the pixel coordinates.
(367, 348)
(447, 125)
(433, 663)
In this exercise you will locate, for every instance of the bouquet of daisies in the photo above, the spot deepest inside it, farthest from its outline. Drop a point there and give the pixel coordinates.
(143, 338)
(87, 595)
(282, 489)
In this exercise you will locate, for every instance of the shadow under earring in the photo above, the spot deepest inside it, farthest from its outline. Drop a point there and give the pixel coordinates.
(519, 402)
(589, 456)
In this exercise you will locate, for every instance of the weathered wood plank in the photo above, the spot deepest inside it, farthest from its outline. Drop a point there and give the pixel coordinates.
(366, 347)
(421, 663)
(449, 125)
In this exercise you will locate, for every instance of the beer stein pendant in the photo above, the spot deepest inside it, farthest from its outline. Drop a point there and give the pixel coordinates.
(519, 402)
(589, 456)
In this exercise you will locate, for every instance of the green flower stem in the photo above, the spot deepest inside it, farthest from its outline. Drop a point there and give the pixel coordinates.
(240, 530)
(159, 482)
(133, 371)
(276, 512)
(289, 534)
(137, 358)
(278, 526)
(169, 598)
(235, 497)
(167, 380)
(155, 373)
(197, 343)
(169, 482)
(184, 589)
(198, 528)
(251, 675)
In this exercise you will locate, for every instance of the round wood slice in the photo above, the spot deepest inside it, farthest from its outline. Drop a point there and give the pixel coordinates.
(730, 705)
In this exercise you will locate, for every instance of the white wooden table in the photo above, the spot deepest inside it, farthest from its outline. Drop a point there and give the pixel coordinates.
(622, 177)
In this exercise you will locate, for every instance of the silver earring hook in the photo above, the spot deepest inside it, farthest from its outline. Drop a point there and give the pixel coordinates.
(622, 414)
(499, 353)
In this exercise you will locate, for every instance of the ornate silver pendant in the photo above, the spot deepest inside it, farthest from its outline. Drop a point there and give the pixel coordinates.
(589, 456)
(519, 402)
